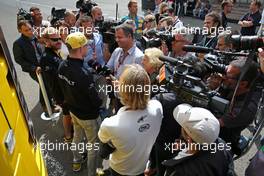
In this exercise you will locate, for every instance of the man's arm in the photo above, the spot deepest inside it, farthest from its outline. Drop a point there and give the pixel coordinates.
(245, 23)
(21, 60)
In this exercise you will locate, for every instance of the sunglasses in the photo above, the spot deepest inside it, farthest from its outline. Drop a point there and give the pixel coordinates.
(55, 39)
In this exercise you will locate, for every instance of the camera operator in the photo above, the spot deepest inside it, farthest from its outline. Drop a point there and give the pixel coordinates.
(27, 53)
(199, 128)
(126, 53)
(133, 130)
(224, 41)
(70, 19)
(83, 100)
(179, 40)
(95, 46)
(242, 112)
(133, 9)
(97, 16)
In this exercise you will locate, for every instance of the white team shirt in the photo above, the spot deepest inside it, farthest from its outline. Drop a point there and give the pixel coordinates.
(133, 134)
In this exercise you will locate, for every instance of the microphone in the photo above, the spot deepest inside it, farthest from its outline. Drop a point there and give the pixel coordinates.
(197, 49)
(173, 61)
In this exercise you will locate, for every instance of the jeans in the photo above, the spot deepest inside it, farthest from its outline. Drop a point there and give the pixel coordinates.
(90, 128)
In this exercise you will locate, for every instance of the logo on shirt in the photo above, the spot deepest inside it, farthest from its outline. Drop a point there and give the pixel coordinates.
(144, 127)
(142, 119)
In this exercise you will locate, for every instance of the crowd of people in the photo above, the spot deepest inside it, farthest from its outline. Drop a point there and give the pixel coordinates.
(143, 131)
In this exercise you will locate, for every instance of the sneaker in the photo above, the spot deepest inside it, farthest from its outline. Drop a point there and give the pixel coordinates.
(99, 172)
(77, 165)
(67, 140)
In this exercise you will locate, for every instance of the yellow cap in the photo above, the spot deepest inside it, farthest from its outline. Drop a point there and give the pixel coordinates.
(76, 40)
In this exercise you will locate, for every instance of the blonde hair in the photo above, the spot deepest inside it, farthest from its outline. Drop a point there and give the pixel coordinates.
(136, 78)
(161, 6)
(153, 55)
(151, 18)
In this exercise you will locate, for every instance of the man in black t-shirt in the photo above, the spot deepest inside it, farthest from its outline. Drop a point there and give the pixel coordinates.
(227, 6)
(250, 21)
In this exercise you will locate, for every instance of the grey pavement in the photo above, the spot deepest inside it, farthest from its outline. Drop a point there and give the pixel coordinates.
(59, 162)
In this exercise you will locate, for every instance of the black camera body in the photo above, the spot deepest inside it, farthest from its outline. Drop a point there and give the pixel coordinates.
(182, 79)
(246, 42)
(154, 38)
(85, 6)
(24, 15)
(56, 15)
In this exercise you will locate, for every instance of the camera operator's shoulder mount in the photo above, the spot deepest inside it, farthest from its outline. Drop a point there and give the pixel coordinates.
(181, 78)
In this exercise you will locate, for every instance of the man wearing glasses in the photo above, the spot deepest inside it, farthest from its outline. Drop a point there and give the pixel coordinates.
(49, 63)
(242, 112)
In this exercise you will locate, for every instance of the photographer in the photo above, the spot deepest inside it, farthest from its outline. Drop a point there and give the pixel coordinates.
(242, 111)
(133, 131)
(179, 40)
(95, 46)
(199, 128)
(83, 100)
(224, 41)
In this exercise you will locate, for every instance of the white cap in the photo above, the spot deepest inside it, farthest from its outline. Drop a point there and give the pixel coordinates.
(199, 123)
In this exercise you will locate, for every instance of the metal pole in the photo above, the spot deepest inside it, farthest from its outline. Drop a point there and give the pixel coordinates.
(116, 10)
(44, 93)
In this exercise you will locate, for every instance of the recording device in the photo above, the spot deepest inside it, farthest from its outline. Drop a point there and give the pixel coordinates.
(154, 38)
(107, 29)
(185, 80)
(56, 15)
(24, 15)
(85, 6)
(222, 57)
(101, 70)
(247, 42)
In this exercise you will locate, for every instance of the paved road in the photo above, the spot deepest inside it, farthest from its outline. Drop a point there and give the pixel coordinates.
(59, 162)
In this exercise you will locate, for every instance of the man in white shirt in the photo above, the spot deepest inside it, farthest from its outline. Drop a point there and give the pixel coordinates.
(134, 129)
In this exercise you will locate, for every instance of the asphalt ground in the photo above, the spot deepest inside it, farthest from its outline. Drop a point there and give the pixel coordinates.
(59, 161)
